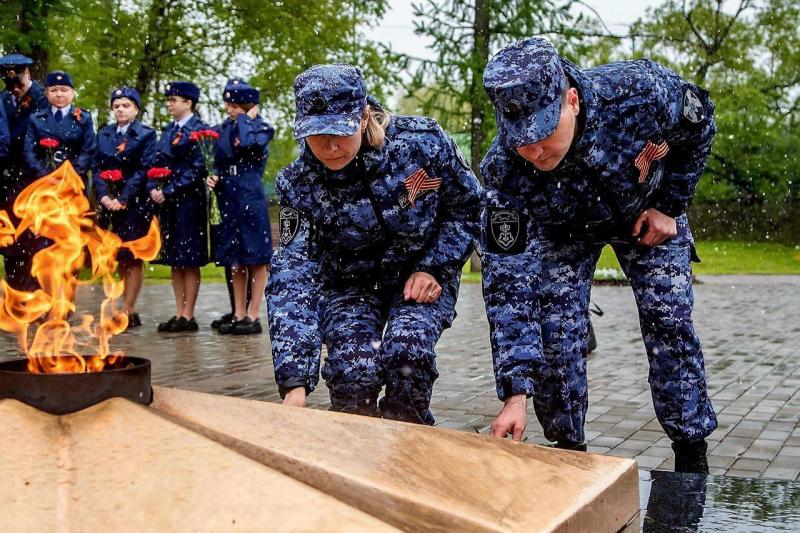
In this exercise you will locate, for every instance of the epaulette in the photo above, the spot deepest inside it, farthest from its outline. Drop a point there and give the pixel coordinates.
(414, 123)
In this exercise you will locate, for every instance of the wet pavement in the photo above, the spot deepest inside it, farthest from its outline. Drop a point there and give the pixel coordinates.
(749, 327)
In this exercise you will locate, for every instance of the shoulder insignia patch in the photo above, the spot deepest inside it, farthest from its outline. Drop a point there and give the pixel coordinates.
(692, 107)
(506, 232)
(289, 224)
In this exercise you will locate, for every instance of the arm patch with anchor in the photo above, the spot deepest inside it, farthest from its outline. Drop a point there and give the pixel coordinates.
(506, 231)
(289, 224)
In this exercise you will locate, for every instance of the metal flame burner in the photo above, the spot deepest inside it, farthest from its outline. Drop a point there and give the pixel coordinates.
(61, 394)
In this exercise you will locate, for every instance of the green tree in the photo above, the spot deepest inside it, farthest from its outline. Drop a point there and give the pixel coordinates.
(146, 43)
(747, 54)
(465, 33)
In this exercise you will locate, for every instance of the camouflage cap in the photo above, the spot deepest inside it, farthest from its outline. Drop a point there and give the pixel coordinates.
(329, 100)
(525, 82)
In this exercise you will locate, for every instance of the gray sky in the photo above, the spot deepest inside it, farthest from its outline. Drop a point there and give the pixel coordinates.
(397, 27)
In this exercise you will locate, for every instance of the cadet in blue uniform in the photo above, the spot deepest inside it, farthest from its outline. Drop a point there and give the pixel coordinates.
(21, 97)
(182, 203)
(377, 216)
(125, 147)
(243, 239)
(68, 125)
(584, 158)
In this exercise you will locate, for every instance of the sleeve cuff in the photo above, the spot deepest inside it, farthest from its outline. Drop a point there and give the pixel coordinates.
(293, 383)
(512, 386)
(673, 209)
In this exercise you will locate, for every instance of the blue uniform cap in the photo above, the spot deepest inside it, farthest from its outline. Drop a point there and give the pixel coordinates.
(329, 100)
(127, 92)
(240, 92)
(15, 60)
(58, 77)
(525, 82)
(185, 89)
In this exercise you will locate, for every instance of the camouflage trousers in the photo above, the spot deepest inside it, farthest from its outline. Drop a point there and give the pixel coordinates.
(374, 338)
(661, 280)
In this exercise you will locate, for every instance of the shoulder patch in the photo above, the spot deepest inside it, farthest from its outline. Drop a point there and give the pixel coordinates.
(692, 107)
(415, 123)
(506, 231)
(289, 224)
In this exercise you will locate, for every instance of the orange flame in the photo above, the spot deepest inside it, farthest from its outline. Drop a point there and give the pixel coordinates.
(55, 207)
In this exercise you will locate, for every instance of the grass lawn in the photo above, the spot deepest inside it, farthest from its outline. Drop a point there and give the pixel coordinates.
(734, 257)
(718, 257)
(721, 257)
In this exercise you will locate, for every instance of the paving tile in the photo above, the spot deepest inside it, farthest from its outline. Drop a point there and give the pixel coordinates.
(752, 362)
(755, 465)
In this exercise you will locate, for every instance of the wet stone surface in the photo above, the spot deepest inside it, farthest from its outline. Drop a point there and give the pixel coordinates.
(749, 328)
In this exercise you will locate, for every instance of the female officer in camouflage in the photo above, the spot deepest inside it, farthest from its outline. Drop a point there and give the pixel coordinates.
(377, 216)
(124, 155)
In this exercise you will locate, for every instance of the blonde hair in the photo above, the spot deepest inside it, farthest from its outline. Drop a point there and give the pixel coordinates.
(377, 121)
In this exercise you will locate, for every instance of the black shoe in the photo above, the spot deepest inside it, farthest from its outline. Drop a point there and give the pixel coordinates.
(224, 319)
(226, 328)
(569, 445)
(247, 326)
(134, 321)
(188, 325)
(690, 457)
(166, 327)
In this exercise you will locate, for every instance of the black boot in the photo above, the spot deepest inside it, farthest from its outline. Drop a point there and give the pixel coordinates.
(690, 457)
(569, 445)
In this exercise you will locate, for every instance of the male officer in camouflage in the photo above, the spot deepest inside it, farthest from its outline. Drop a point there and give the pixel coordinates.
(585, 158)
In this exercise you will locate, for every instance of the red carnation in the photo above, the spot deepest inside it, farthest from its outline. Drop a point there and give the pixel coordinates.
(202, 135)
(49, 143)
(111, 175)
(159, 173)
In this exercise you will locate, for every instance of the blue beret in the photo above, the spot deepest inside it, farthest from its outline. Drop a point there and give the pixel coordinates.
(127, 92)
(239, 92)
(329, 100)
(15, 60)
(58, 77)
(186, 89)
(525, 82)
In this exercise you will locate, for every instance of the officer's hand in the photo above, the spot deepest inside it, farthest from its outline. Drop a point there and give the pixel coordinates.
(422, 288)
(253, 113)
(653, 227)
(296, 397)
(512, 418)
(106, 201)
(211, 181)
(116, 205)
(157, 196)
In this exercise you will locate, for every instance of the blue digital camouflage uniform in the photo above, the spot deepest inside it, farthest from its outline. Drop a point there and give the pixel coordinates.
(643, 139)
(349, 241)
(13, 177)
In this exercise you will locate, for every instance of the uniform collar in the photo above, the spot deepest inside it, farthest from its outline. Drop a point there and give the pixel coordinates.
(123, 129)
(583, 146)
(367, 164)
(181, 123)
(64, 110)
